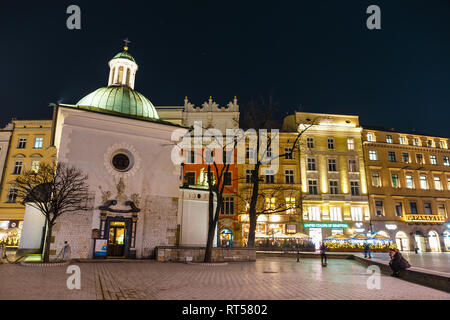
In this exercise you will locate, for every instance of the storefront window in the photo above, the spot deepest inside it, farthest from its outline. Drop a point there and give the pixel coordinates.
(10, 231)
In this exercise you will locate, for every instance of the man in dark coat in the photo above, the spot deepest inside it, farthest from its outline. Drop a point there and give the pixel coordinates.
(397, 262)
(367, 250)
(323, 255)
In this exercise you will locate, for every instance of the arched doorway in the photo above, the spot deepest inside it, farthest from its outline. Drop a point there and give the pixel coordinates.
(447, 240)
(402, 241)
(226, 238)
(433, 240)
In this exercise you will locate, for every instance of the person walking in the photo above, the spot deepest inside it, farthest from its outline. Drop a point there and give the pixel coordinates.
(323, 255)
(367, 250)
(398, 262)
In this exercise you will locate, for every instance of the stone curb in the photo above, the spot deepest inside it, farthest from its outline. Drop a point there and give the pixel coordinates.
(217, 264)
(50, 264)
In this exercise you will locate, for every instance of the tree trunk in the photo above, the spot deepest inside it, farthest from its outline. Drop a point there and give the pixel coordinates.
(47, 242)
(210, 241)
(252, 210)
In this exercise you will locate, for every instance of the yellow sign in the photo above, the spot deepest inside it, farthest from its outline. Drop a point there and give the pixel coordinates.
(424, 218)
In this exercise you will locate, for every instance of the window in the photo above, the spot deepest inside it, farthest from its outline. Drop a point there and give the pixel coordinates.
(419, 158)
(12, 195)
(433, 160)
(312, 186)
(334, 187)
(227, 179)
(269, 152)
(379, 208)
(427, 208)
(376, 181)
(441, 209)
(289, 176)
(314, 213)
(311, 164)
(332, 165)
(35, 165)
(373, 155)
(191, 156)
(350, 144)
(228, 205)
(403, 140)
(446, 161)
(190, 178)
(389, 138)
(443, 144)
(405, 157)
(248, 176)
(310, 142)
(335, 214)
(352, 165)
(437, 183)
(38, 141)
(227, 156)
(429, 143)
(391, 156)
(413, 206)
(270, 178)
(121, 162)
(290, 205)
(291, 228)
(22, 143)
(18, 167)
(409, 181)
(209, 156)
(249, 154)
(395, 181)
(398, 209)
(288, 153)
(330, 143)
(354, 188)
(423, 182)
(356, 213)
(270, 203)
(416, 141)
(370, 136)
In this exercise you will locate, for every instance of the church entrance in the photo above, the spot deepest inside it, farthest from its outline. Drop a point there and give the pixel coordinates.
(118, 234)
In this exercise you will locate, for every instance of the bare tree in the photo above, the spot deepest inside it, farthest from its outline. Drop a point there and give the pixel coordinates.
(54, 189)
(259, 116)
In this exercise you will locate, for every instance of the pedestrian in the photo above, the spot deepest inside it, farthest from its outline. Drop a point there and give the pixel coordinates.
(323, 255)
(398, 262)
(67, 251)
(367, 250)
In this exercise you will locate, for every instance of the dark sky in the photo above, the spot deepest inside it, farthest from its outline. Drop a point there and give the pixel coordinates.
(311, 55)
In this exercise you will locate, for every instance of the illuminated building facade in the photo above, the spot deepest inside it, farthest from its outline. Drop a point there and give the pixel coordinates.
(409, 188)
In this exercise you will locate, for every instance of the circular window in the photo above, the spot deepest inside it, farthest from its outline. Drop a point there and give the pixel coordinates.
(121, 162)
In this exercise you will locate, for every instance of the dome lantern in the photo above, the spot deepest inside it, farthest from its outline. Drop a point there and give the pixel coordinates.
(123, 68)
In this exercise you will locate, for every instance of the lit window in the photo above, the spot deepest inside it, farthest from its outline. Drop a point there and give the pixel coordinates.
(409, 181)
(395, 181)
(38, 142)
(389, 138)
(310, 142)
(335, 214)
(314, 213)
(352, 165)
(312, 187)
(379, 208)
(35, 165)
(403, 140)
(332, 165)
(330, 143)
(270, 203)
(351, 144)
(446, 161)
(398, 209)
(290, 205)
(437, 183)
(376, 181)
(416, 141)
(405, 157)
(373, 155)
(441, 209)
(423, 182)
(356, 213)
(354, 188)
(443, 144)
(433, 160)
(334, 187)
(289, 176)
(370, 136)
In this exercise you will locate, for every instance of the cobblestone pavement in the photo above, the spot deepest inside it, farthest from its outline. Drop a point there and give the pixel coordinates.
(268, 278)
(436, 261)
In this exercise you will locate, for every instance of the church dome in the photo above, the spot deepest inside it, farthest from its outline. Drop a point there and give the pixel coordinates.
(121, 99)
(124, 55)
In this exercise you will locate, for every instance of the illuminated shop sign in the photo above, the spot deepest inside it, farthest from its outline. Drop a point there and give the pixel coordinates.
(391, 226)
(424, 218)
(325, 225)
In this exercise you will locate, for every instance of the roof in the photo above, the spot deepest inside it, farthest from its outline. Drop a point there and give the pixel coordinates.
(124, 55)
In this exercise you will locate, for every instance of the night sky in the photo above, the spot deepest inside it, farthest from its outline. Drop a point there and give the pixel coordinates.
(315, 56)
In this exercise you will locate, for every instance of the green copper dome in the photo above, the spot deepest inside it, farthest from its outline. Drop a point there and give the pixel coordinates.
(119, 99)
(124, 55)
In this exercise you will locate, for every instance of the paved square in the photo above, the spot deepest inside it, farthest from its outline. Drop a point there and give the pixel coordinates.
(266, 279)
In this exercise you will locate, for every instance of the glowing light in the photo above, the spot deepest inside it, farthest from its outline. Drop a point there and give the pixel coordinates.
(391, 226)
